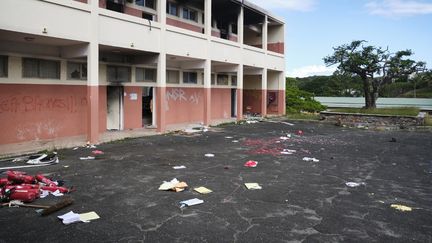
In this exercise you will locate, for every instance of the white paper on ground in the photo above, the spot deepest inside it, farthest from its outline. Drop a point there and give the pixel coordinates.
(354, 184)
(209, 155)
(168, 185)
(87, 217)
(87, 158)
(179, 167)
(310, 159)
(70, 218)
(253, 186)
(191, 202)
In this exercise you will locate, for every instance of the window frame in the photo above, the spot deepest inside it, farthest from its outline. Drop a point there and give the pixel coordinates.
(169, 8)
(177, 73)
(117, 74)
(40, 61)
(5, 66)
(145, 70)
(220, 76)
(81, 65)
(188, 12)
(188, 75)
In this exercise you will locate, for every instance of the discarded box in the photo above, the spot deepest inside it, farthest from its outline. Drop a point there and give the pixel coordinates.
(203, 190)
(191, 202)
(253, 186)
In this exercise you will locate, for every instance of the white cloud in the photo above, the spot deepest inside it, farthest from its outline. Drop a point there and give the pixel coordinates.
(295, 5)
(311, 70)
(399, 8)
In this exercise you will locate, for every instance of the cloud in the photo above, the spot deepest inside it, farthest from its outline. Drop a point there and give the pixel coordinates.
(294, 5)
(399, 8)
(311, 70)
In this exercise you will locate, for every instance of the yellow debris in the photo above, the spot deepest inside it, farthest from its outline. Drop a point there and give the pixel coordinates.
(400, 207)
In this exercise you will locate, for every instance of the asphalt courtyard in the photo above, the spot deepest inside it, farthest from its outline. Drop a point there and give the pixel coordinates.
(300, 201)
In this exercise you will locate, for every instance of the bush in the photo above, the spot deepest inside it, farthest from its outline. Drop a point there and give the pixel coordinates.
(299, 100)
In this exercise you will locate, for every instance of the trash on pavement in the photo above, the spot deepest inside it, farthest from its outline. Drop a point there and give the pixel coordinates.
(97, 152)
(300, 132)
(253, 186)
(43, 159)
(402, 208)
(288, 151)
(228, 137)
(88, 158)
(251, 163)
(354, 184)
(70, 217)
(87, 217)
(174, 185)
(203, 190)
(191, 202)
(310, 159)
(179, 167)
(284, 138)
(235, 141)
(209, 155)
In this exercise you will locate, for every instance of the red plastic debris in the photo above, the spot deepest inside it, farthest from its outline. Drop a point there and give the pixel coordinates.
(97, 152)
(45, 180)
(300, 132)
(19, 177)
(251, 163)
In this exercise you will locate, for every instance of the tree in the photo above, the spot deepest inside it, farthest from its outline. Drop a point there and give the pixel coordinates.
(374, 65)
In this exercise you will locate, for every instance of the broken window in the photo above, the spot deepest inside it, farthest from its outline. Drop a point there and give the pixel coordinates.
(222, 79)
(118, 74)
(190, 78)
(172, 77)
(76, 70)
(3, 66)
(233, 80)
(145, 75)
(172, 8)
(39, 68)
(190, 14)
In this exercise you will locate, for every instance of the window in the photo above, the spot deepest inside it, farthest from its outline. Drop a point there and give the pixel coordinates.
(222, 79)
(148, 16)
(172, 8)
(190, 14)
(146, 3)
(118, 74)
(213, 79)
(39, 68)
(3, 66)
(145, 75)
(172, 77)
(77, 70)
(234, 80)
(190, 78)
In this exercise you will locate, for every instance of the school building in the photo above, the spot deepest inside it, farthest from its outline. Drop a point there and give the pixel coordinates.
(83, 68)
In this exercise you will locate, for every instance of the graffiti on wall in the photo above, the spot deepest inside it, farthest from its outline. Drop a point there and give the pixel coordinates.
(180, 95)
(35, 103)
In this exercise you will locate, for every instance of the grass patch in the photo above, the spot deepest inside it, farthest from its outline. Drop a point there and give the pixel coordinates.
(420, 93)
(400, 111)
(303, 116)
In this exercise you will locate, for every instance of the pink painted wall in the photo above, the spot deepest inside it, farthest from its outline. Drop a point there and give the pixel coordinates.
(252, 99)
(184, 105)
(36, 112)
(132, 108)
(276, 47)
(102, 3)
(184, 25)
(220, 103)
(133, 11)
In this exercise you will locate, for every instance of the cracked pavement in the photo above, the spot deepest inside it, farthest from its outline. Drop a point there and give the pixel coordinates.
(300, 201)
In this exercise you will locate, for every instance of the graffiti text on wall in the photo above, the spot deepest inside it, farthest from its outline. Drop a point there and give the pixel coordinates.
(29, 103)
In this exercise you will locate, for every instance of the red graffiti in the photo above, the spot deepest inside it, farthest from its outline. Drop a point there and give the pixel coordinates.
(35, 103)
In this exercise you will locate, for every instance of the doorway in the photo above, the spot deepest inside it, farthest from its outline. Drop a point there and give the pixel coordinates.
(114, 107)
(233, 102)
(147, 106)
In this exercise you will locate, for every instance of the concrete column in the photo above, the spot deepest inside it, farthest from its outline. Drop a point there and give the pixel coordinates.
(207, 92)
(240, 25)
(240, 92)
(208, 17)
(161, 93)
(93, 77)
(264, 92)
(265, 33)
(161, 11)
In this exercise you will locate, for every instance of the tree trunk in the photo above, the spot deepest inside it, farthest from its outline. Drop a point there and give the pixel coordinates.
(368, 94)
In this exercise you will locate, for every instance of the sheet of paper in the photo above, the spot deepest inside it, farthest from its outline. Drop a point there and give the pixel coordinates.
(253, 186)
(203, 190)
(70, 217)
(86, 217)
(191, 202)
(179, 167)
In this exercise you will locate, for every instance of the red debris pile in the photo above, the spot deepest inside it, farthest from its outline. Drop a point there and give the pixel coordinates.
(20, 186)
(265, 146)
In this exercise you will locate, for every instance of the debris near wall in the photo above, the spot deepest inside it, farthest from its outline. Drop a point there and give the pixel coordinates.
(34, 160)
(370, 121)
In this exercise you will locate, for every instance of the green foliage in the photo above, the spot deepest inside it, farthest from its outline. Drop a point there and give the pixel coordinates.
(298, 100)
(331, 86)
(400, 111)
(303, 116)
(395, 89)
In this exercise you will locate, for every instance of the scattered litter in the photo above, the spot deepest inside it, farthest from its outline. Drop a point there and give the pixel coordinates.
(252, 122)
(87, 158)
(45, 193)
(44, 159)
(251, 163)
(310, 159)
(284, 138)
(191, 202)
(300, 132)
(228, 137)
(97, 152)
(174, 185)
(203, 190)
(70, 217)
(89, 145)
(400, 207)
(235, 141)
(209, 155)
(288, 151)
(195, 128)
(179, 167)
(66, 166)
(87, 217)
(75, 148)
(253, 186)
(354, 184)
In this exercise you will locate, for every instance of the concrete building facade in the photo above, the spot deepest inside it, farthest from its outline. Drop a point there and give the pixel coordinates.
(83, 67)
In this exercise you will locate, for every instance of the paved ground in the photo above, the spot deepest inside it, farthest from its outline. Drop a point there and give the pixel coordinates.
(300, 201)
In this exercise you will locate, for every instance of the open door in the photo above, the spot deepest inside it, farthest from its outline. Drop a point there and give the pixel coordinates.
(147, 106)
(114, 107)
(233, 103)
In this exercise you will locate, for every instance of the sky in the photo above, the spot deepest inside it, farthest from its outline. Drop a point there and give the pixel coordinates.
(314, 27)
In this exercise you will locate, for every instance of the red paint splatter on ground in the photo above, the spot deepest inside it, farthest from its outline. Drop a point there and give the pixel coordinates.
(264, 146)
